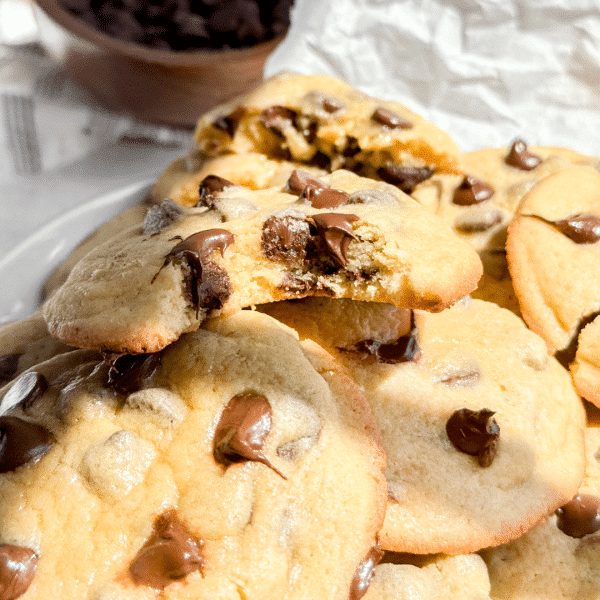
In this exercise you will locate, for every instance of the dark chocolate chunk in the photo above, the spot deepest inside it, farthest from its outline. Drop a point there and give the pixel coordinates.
(521, 158)
(21, 442)
(301, 179)
(292, 284)
(352, 148)
(227, 123)
(17, 569)
(9, 365)
(209, 186)
(365, 572)
(161, 216)
(324, 197)
(284, 239)
(390, 119)
(170, 554)
(582, 229)
(475, 433)
(336, 231)
(242, 430)
(472, 191)
(405, 178)
(25, 391)
(580, 516)
(278, 118)
(128, 373)
(213, 288)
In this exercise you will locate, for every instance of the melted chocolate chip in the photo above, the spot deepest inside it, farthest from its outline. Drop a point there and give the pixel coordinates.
(580, 516)
(405, 178)
(170, 554)
(17, 569)
(25, 391)
(330, 105)
(278, 118)
(582, 229)
(214, 287)
(9, 365)
(364, 573)
(336, 231)
(284, 239)
(475, 433)
(472, 191)
(390, 119)
(301, 179)
(161, 216)
(229, 123)
(292, 284)
(320, 197)
(521, 158)
(242, 430)
(209, 186)
(21, 442)
(128, 373)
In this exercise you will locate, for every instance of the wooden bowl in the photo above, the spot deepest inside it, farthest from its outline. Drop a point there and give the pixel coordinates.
(157, 86)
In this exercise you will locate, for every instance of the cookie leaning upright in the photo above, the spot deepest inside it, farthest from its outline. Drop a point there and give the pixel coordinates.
(238, 463)
(342, 236)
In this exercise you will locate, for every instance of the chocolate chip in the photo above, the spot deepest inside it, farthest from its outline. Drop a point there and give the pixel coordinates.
(472, 191)
(580, 516)
(170, 554)
(365, 572)
(128, 373)
(284, 239)
(405, 178)
(390, 119)
(582, 229)
(21, 442)
(242, 430)
(161, 216)
(228, 123)
(299, 180)
(214, 287)
(9, 365)
(324, 197)
(278, 118)
(209, 186)
(325, 102)
(292, 284)
(25, 391)
(321, 160)
(521, 158)
(17, 569)
(336, 231)
(475, 433)
(351, 148)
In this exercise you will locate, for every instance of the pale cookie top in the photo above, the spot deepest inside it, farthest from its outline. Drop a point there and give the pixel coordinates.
(181, 179)
(348, 237)
(559, 558)
(586, 366)
(320, 120)
(554, 255)
(519, 463)
(238, 463)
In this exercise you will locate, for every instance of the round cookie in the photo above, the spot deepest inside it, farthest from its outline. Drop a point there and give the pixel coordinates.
(522, 461)
(236, 463)
(320, 120)
(351, 237)
(181, 179)
(548, 561)
(553, 255)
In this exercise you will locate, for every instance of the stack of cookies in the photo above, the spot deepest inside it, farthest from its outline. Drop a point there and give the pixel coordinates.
(332, 357)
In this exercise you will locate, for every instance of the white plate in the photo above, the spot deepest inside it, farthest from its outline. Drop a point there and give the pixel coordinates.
(25, 269)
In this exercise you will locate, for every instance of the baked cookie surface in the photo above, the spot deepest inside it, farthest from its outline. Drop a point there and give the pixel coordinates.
(527, 458)
(351, 237)
(220, 468)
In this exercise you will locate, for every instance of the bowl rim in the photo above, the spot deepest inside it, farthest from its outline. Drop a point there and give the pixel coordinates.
(55, 11)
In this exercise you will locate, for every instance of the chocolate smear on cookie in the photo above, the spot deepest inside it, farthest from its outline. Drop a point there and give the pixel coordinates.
(323, 197)
(278, 118)
(209, 186)
(24, 391)
(365, 572)
(18, 565)
(336, 231)
(390, 119)
(580, 228)
(170, 554)
(405, 178)
(475, 433)
(229, 123)
(299, 180)
(521, 158)
(161, 216)
(284, 239)
(21, 442)
(9, 365)
(242, 431)
(580, 516)
(472, 191)
(128, 373)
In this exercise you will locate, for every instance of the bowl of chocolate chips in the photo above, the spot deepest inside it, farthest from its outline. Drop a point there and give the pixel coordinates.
(163, 61)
